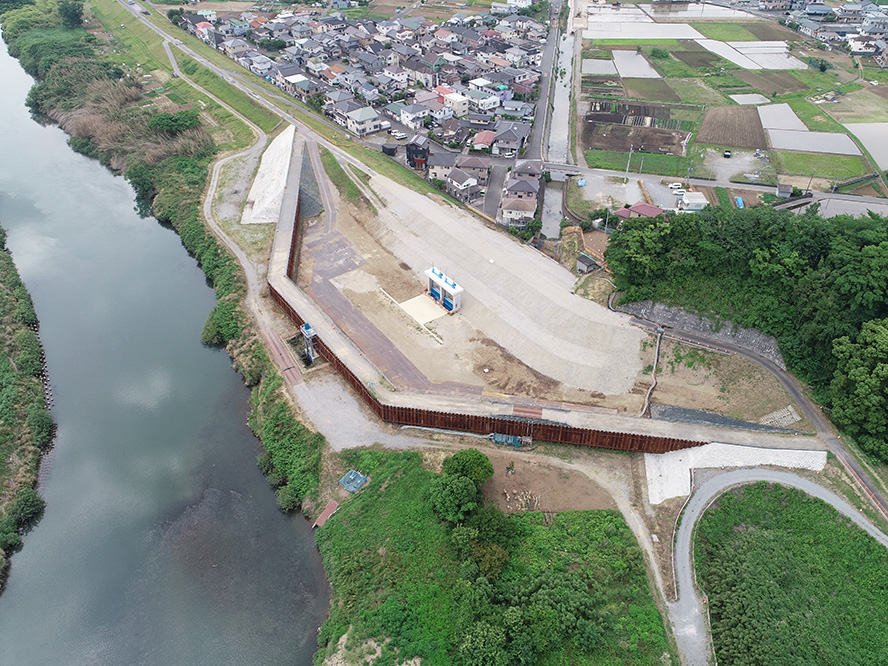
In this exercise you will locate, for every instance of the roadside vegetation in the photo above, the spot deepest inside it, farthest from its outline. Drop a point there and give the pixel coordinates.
(818, 285)
(96, 97)
(791, 581)
(26, 428)
(422, 566)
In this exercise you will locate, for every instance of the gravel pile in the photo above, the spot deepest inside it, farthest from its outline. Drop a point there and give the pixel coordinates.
(698, 416)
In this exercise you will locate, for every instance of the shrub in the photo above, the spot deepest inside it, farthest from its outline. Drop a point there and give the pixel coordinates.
(27, 507)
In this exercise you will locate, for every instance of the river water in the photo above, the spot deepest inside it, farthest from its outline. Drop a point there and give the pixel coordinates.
(161, 542)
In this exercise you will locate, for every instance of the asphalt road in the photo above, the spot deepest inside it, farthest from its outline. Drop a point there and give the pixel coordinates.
(539, 132)
(691, 632)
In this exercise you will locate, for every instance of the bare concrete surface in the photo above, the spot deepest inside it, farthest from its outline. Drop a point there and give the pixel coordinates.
(515, 296)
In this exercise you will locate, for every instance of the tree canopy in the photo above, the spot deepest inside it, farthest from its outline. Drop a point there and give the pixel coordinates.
(471, 463)
(804, 279)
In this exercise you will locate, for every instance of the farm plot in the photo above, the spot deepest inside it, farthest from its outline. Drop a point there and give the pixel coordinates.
(872, 135)
(861, 106)
(620, 137)
(780, 117)
(837, 167)
(749, 99)
(602, 85)
(726, 32)
(638, 31)
(697, 59)
(813, 142)
(654, 89)
(634, 65)
(733, 126)
(768, 82)
(695, 91)
(768, 31)
(599, 67)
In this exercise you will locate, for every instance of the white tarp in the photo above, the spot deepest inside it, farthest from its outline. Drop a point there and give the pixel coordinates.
(813, 142)
(639, 31)
(874, 137)
(780, 116)
(600, 67)
(632, 65)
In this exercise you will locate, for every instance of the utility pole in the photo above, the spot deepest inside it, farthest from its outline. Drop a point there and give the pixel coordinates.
(626, 177)
(813, 171)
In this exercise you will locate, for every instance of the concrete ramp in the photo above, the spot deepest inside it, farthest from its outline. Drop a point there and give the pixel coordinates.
(263, 205)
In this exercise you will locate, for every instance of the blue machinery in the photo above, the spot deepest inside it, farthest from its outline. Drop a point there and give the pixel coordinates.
(444, 290)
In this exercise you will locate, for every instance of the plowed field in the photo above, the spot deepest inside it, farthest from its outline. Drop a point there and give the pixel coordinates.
(732, 126)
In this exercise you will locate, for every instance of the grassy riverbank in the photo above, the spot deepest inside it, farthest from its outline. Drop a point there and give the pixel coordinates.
(482, 588)
(94, 91)
(791, 581)
(26, 428)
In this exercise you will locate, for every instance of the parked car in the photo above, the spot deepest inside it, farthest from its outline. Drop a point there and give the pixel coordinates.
(679, 193)
(674, 186)
(398, 134)
(727, 153)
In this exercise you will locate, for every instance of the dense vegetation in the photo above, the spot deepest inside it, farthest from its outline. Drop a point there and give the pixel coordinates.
(26, 427)
(811, 282)
(476, 586)
(165, 157)
(791, 581)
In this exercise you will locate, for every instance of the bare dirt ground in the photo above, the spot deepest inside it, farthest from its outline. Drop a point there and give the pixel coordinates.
(728, 385)
(620, 137)
(732, 126)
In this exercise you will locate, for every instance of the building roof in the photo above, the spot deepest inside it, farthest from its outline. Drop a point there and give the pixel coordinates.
(523, 185)
(648, 210)
(484, 137)
(522, 205)
(459, 176)
(441, 159)
(363, 114)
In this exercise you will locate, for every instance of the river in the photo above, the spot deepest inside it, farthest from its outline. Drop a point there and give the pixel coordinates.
(161, 542)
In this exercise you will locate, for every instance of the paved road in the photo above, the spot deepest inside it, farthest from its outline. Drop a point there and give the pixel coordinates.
(540, 131)
(686, 614)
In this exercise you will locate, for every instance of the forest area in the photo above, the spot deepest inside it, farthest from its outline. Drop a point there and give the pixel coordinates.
(819, 286)
(791, 581)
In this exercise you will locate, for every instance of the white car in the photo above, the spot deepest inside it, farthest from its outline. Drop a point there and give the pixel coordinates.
(679, 193)
(398, 134)
(674, 186)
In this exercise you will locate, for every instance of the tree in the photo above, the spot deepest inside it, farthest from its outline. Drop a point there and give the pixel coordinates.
(484, 645)
(71, 13)
(860, 387)
(27, 507)
(453, 497)
(470, 463)
(660, 54)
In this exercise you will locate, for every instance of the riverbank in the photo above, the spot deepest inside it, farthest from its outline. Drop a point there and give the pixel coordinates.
(165, 155)
(26, 427)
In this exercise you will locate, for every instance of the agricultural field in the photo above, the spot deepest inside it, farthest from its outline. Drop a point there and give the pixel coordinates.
(834, 167)
(767, 31)
(621, 137)
(695, 91)
(732, 126)
(764, 552)
(697, 59)
(772, 82)
(653, 89)
(862, 106)
(726, 32)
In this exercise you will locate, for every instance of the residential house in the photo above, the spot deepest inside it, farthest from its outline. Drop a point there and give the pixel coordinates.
(363, 121)
(417, 152)
(528, 170)
(459, 104)
(461, 185)
(439, 165)
(479, 167)
(414, 115)
(483, 140)
(519, 188)
(510, 137)
(517, 212)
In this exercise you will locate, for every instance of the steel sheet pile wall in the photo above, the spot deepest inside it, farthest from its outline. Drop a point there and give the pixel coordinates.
(547, 432)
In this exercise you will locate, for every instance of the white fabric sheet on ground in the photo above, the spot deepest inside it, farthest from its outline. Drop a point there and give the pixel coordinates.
(632, 65)
(749, 99)
(668, 474)
(625, 14)
(728, 53)
(693, 11)
(639, 31)
(874, 137)
(599, 67)
(813, 142)
(780, 116)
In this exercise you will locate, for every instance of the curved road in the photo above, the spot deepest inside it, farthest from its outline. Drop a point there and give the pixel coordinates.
(691, 632)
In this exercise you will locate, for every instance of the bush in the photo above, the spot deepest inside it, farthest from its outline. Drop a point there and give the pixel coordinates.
(470, 463)
(27, 507)
(40, 424)
(454, 497)
(173, 123)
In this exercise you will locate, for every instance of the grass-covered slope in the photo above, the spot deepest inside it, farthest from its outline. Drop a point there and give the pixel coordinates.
(791, 581)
